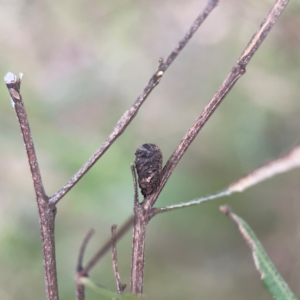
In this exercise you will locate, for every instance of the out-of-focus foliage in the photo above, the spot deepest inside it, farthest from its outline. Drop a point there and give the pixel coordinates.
(84, 63)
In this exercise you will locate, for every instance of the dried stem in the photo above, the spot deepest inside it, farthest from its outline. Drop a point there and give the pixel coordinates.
(136, 193)
(46, 210)
(237, 71)
(141, 219)
(211, 4)
(80, 288)
(132, 111)
(120, 286)
(107, 246)
(284, 163)
(82, 250)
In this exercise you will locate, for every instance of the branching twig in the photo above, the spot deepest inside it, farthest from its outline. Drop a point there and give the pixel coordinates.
(80, 289)
(142, 211)
(280, 165)
(46, 210)
(285, 163)
(234, 75)
(46, 206)
(120, 286)
(237, 71)
(122, 124)
(132, 111)
(125, 227)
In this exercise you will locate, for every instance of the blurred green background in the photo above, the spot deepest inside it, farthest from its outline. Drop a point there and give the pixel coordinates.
(84, 64)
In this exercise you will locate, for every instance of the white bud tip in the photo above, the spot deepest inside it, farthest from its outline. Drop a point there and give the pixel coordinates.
(10, 78)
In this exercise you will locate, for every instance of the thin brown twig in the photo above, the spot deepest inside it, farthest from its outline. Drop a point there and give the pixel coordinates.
(237, 71)
(211, 4)
(124, 228)
(80, 288)
(132, 111)
(46, 210)
(135, 188)
(120, 286)
(84, 243)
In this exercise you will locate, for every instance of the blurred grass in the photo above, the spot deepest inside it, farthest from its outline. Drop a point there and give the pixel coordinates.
(84, 63)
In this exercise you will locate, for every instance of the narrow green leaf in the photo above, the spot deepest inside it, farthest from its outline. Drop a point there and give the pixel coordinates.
(269, 274)
(105, 293)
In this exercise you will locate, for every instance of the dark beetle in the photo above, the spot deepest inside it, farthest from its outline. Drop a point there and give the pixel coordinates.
(148, 163)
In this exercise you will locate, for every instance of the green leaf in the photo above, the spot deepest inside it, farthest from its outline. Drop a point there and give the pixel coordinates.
(105, 293)
(269, 274)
